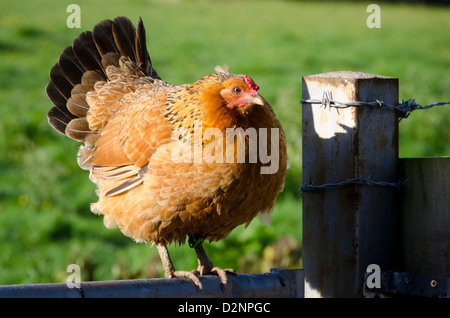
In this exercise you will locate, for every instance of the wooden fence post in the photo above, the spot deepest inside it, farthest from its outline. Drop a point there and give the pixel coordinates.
(425, 216)
(349, 227)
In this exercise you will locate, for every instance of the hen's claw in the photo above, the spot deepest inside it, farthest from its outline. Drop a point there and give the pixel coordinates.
(195, 274)
(205, 267)
(222, 273)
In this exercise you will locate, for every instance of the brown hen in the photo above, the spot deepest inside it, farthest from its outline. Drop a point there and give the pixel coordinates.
(170, 161)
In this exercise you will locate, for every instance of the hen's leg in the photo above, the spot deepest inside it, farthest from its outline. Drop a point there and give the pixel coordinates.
(205, 266)
(169, 270)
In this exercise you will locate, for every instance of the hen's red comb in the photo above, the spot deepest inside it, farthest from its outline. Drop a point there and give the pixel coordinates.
(250, 83)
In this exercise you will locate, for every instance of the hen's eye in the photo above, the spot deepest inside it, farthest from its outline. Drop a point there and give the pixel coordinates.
(237, 90)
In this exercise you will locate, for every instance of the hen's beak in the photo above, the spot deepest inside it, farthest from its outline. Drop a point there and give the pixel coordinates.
(257, 100)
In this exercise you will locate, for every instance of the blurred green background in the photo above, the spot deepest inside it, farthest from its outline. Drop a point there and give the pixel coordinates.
(45, 219)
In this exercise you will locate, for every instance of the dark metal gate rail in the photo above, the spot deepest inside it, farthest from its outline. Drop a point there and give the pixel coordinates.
(277, 283)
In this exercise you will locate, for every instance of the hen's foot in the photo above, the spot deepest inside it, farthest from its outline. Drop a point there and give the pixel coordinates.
(169, 270)
(222, 273)
(192, 275)
(195, 274)
(205, 266)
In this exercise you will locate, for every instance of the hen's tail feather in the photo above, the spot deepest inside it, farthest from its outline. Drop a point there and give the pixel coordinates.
(86, 52)
(84, 63)
(70, 66)
(124, 35)
(103, 37)
(143, 58)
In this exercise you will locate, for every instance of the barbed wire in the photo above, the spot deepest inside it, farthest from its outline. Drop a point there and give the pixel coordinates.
(309, 187)
(405, 107)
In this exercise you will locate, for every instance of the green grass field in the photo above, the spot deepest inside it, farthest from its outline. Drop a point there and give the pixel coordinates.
(45, 220)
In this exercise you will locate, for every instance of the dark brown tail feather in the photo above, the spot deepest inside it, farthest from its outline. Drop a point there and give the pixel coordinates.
(82, 64)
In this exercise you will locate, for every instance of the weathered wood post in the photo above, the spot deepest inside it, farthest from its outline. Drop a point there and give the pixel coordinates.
(346, 228)
(424, 230)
